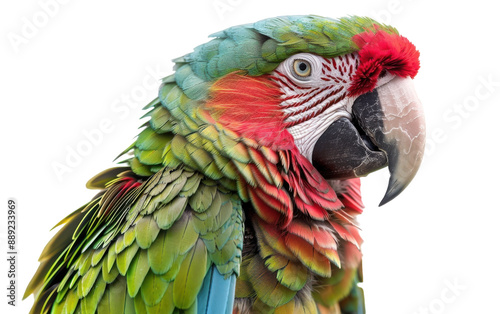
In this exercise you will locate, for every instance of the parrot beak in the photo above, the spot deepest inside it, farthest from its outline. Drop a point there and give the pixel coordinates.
(387, 129)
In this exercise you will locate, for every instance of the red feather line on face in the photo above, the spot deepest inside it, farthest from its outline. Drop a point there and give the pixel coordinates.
(320, 104)
(250, 106)
(382, 51)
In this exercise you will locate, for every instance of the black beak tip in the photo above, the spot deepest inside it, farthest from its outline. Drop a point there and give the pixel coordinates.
(387, 198)
(393, 190)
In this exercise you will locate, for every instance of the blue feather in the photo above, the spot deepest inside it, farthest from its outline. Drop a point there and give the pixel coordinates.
(217, 294)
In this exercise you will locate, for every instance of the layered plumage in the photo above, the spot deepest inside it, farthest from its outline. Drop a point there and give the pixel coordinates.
(216, 201)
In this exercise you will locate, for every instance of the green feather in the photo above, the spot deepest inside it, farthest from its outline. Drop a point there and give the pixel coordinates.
(146, 231)
(124, 259)
(140, 307)
(97, 256)
(221, 256)
(61, 292)
(234, 149)
(113, 299)
(129, 236)
(110, 261)
(166, 305)
(293, 276)
(182, 236)
(266, 286)
(159, 256)
(223, 237)
(109, 275)
(139, 168)
(167, 195)
(190, 277)
(120, 245)
(204, 222)
(168, 214)
(161, 120)
(74, 280)
(71, 302)
(85, 263)
(202, 198)
(137, 272)
(191, 185)
(150, 140)
(226, 166)
(88, 280)
(153, 289)
(173, 270)
(90, 302)
(149, 157)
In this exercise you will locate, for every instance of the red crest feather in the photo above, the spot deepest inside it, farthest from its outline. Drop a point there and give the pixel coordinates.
(381, 51)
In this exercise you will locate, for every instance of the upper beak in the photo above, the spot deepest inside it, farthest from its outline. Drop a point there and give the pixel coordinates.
(387, 128)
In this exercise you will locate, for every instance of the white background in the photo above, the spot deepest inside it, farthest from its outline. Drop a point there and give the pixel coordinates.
(74, 71)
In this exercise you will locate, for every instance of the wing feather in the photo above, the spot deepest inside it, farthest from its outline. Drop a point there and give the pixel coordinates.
(142, 245)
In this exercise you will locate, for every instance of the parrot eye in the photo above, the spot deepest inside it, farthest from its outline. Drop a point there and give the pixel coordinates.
(304, 69)
(301, 68)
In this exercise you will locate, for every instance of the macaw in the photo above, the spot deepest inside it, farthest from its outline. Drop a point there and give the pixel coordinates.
(240, 194)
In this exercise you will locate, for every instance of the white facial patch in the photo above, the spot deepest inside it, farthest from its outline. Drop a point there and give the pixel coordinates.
(315, 95)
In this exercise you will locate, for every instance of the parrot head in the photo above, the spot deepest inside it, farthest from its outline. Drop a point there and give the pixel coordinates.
(337, 92)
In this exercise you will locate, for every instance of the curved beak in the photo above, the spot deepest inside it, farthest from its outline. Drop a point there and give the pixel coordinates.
(387, 129)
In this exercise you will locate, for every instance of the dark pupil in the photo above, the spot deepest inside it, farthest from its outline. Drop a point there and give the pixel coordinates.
(302, 66)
